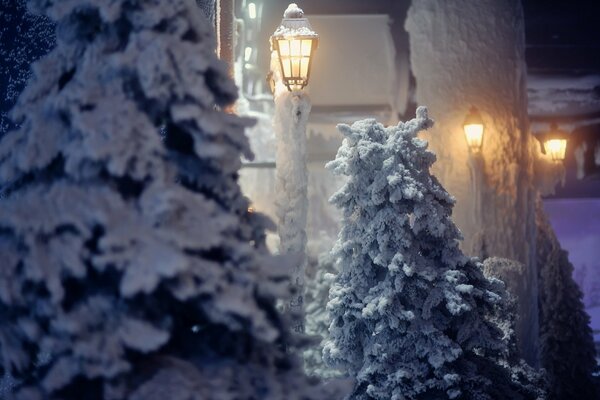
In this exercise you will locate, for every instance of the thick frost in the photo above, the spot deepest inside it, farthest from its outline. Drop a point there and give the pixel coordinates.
(124, 236)
(411, 316)
(291, 187)
(472, 53)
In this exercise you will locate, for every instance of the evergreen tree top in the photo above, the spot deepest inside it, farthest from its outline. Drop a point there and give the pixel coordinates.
(411, 315)
(124, 235)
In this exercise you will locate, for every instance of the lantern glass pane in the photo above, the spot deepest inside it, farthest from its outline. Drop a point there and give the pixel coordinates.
(287, 67)
(295, 58)
(295, 47)
(306, 47)
(296, 67)
(284, 47)
(474, 135)
(556, 148)
(304, 68)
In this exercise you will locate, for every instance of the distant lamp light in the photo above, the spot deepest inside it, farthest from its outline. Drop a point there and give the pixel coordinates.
(252, 11)
(251, 210)
(295, 43)
(247, 53)
(474, 127)
(555, 144)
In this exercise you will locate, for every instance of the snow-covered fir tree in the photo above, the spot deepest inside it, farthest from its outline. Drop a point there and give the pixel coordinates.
(130, 265)
(208, 7)
(411, 316)
(566, 340)
(513, 313)
(316, 297)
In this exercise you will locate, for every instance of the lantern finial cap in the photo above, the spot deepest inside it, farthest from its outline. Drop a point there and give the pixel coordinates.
(293, 11)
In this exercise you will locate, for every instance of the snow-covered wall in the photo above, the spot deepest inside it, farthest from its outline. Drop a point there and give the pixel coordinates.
(472, 53)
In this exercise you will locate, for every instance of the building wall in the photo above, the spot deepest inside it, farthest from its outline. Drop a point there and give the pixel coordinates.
(466, 53)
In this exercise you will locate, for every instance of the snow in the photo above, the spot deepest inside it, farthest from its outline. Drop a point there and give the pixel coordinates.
(130, 260)
(552, 95)
(293, 11)
(417, 333)
(294, 24)
(467, 54)
(514, 275)
(291, 187)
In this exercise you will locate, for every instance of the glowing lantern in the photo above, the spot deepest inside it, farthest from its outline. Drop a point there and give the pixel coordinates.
(295, 43)
(555, 144)
(473, 127)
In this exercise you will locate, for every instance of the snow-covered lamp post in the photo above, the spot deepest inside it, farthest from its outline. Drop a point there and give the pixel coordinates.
(555, 144)
(293, 45)
(474, 129)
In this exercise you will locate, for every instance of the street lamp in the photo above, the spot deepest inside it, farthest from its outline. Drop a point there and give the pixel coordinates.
(292, 49)
(295, 43)
(474, 127)
(555, 143)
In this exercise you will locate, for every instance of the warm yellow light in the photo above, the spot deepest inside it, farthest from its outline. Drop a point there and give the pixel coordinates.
(251, 210)
(473, 127)
(556, 149)
(474, 135)
(294, 43)
(252, 11)
(295, 56)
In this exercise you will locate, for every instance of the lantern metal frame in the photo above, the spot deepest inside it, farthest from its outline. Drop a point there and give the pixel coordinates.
(295, 27)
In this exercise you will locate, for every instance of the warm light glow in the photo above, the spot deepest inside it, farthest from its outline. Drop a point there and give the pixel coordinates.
(556, 149)
(474, 128)
(252, 11)
(251, 209)
(295, 57)
(247, 54)
(474, 135)
(294, 43)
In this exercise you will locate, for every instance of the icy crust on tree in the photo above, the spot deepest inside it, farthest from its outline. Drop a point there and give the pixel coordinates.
(566, 340)
(411, 316)
(120, 246)
(317, 317)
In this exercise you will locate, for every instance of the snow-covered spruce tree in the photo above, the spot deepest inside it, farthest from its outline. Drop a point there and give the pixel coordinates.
(130, 265)
(317, 318)
(510, 321)
(566, 340)
(410, 314)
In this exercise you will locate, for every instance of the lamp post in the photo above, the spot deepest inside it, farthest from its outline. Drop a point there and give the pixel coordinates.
(292, 48)
(474, 128)
(555, 144)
